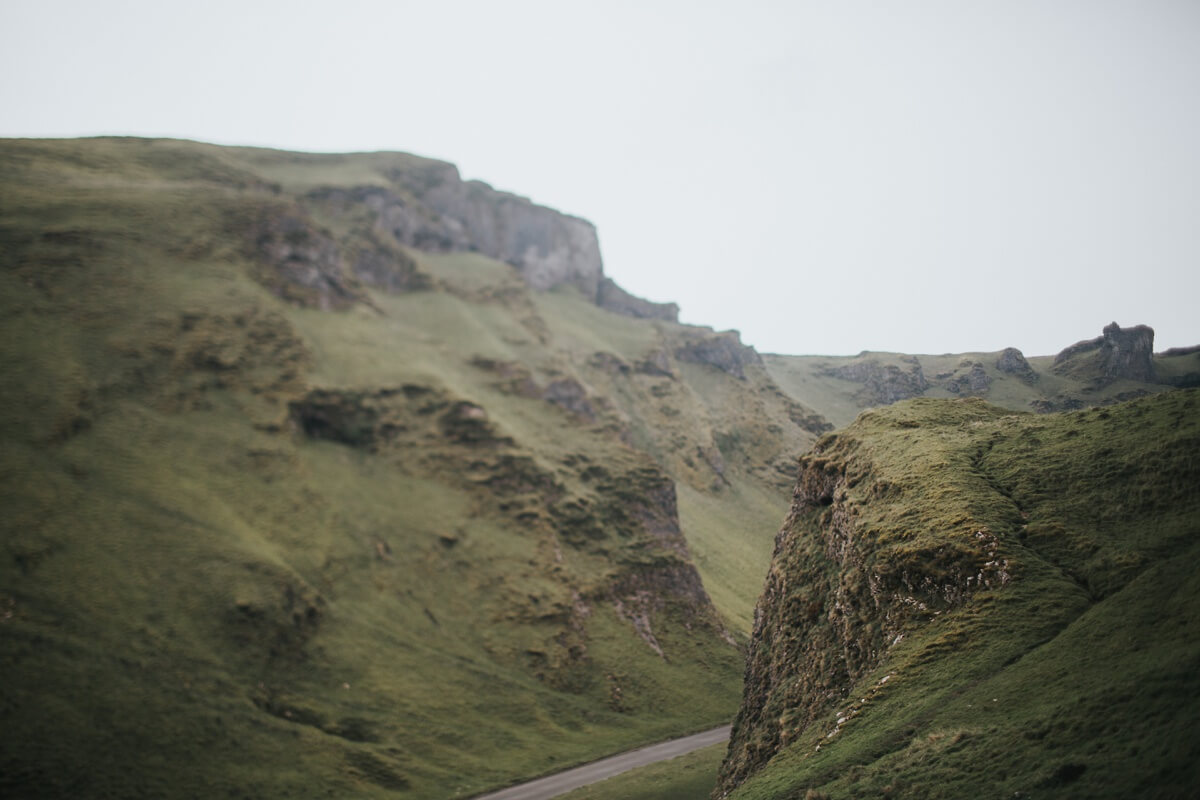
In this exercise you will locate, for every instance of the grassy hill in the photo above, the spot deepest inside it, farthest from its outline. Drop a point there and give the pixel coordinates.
(840, 387)
(335, 475)
(295, 507)
(968, 602)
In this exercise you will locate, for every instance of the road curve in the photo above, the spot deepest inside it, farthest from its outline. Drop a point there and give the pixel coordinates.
(563, 782)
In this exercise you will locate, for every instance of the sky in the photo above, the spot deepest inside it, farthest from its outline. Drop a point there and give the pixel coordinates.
(928, 176)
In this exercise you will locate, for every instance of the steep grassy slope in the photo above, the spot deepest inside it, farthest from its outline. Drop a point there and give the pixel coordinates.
(840, 387)
(292, 507)
(966, 602)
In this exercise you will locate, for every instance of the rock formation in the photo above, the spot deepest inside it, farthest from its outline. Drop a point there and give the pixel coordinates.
(838, 593)
(1119, 354)
(1012, 361)
(724, 351)
(883, 384)
(974, 382)
(429, 207)
(614, 298)
(296, 260)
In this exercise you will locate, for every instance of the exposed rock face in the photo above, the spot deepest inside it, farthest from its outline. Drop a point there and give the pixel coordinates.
(883, 384)
(657, 363)
(547, 247)
(841, 590)
(1120, 353)
(428, 430)
(570, 395)
(378, 262)
(975, 382)
(425, 205)
(298, 261)
(724, 351)
(431, 208)
(1012, 361)
(614, 298)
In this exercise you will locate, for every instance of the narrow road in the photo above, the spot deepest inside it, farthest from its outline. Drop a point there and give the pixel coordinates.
(563, 782)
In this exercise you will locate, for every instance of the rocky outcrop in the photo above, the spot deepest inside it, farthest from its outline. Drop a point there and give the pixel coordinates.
(656, 363)
(883, 384)
(379, 262)
(571, 396)
(296, 260)
(625, 512)
(614, 298)
(843, 589)
(724, 351)
(431, 208)
(1119, 354)
(1012, 362)
(974, 382)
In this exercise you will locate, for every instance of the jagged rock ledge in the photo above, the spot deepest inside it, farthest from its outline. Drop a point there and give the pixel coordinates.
(1120, 353)
(845, 586)
(429, 207)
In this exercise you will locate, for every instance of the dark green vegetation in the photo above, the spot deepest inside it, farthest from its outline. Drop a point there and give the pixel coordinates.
(306, 493)
(967, 602)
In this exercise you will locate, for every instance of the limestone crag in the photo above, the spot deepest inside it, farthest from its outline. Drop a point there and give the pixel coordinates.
(614, 298)
(974, 382)
(1012, 361)
(1119, 354)
(627, 512)
(843, 589)
(431, 208)
(296, 260)
(883, 384)
(724, 351)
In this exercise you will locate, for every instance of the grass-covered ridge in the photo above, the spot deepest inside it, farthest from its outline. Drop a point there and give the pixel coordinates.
(293, 508)
(970, 602)
(841, 387)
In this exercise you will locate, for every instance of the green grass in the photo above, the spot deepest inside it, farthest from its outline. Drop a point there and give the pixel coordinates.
(730, 536)
(840, 400)
(1076, 678)
(198, 599)
(686, 777)
(833, 397)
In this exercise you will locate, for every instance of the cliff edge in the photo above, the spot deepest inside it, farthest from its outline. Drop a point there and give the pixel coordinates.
(940, 592)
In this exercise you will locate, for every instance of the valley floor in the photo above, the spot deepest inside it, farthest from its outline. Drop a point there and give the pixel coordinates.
(563, 782)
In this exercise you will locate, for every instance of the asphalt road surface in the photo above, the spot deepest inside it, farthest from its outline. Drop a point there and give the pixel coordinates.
(563, 782)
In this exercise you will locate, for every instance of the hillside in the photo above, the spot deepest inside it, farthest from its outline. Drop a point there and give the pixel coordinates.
(338, 475)
(970, 602)
(1117, 366)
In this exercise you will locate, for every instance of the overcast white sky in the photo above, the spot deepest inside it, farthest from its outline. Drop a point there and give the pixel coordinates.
(827, 177)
